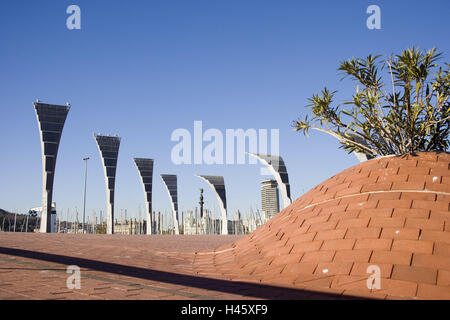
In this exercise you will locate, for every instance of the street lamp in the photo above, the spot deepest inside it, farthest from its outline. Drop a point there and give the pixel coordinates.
(84, 201)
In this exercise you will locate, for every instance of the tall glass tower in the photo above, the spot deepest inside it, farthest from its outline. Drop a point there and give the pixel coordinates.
(276, 166)
(51, 120)
(270, 201)
(109, 151)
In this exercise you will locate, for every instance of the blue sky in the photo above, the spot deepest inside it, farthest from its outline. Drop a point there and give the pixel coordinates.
(141, 69)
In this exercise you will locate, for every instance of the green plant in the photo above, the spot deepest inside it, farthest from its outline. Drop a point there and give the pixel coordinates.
(100, 229)
(412, 117)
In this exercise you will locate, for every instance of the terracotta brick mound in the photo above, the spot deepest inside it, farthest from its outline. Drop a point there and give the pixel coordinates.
(391, 212)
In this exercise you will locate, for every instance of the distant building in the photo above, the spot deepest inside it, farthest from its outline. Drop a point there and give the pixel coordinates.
(193, 224)
(277, 167)
(270, 200)
(127, 227)
(38, 211)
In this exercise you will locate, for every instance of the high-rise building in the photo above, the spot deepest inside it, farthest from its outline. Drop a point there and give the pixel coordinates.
(51, 120)
(109, 151)
(270, 201)
(277, 167)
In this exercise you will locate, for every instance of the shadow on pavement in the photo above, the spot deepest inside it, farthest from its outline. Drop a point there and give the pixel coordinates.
(232, 287)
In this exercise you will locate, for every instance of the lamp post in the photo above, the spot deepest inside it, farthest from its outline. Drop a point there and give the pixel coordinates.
(84, 201)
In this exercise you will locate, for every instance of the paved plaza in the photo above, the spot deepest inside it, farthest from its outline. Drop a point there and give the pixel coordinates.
(33, 266)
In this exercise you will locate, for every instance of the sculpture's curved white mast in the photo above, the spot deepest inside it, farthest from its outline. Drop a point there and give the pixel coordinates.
(170, 181)
(217, 183)
(359, 155)
(108, 147)
(51, 119)
(145, 168)
(276, 166)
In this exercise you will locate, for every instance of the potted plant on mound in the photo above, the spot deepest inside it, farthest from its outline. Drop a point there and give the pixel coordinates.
(401, 105)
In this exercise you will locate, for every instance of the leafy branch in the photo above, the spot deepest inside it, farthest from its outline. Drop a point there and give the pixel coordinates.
(414, 118)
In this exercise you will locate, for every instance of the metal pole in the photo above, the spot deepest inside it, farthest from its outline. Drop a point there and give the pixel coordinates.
(77, 225)
(120, 221)
(84, 201)
(196, 221)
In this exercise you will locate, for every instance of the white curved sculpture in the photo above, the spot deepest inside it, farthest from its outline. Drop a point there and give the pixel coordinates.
(109, 151)
(170, 181)
(276, 166)
(51, 119)
(145, 168)
(359, 155)
(217, 183)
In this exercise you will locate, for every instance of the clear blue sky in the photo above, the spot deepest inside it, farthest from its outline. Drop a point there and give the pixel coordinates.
(141, 69)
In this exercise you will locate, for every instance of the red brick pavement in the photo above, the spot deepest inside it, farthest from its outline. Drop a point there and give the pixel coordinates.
(33, 266)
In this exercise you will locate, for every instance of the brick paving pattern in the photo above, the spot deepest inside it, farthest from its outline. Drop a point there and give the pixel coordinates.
(391, 212)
